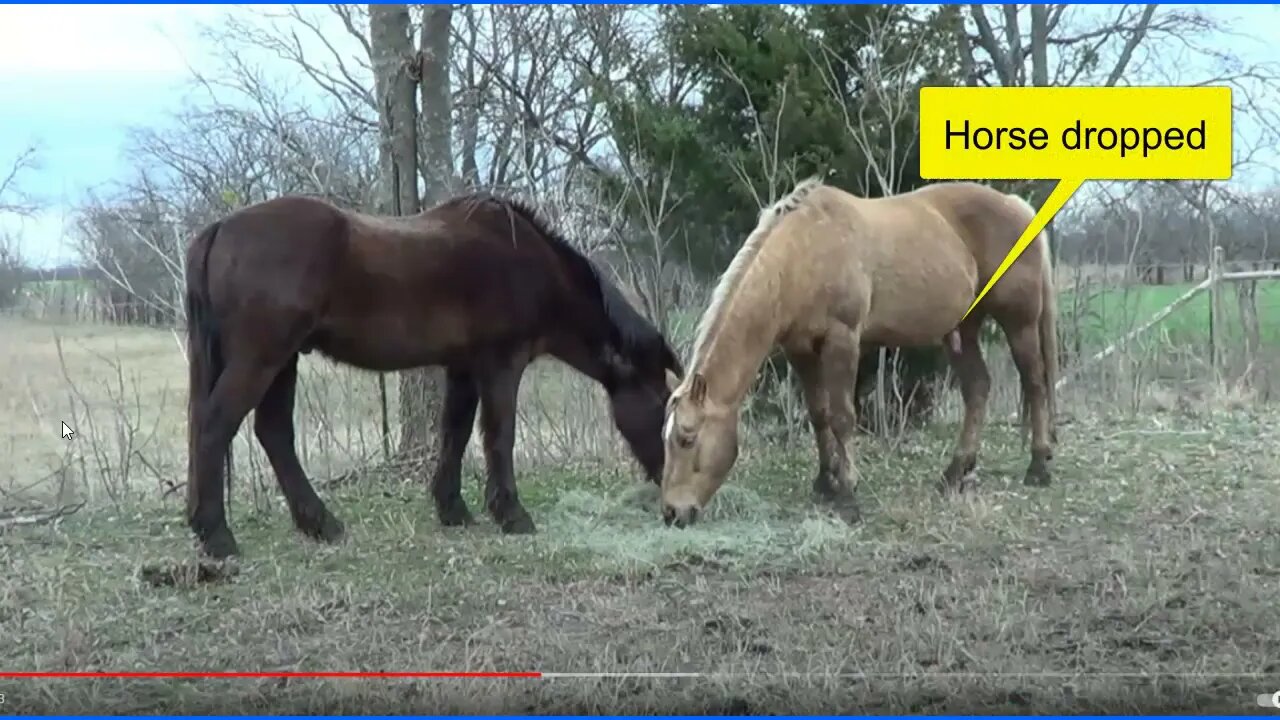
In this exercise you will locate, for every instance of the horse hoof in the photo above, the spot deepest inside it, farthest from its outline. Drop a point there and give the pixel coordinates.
(1038, 471)
(220, 544)
(521, 524)
(455, 515)
(948, 486)
(849, 513)
(1037, 478)
(845, 508)
(953, 477)
(319, 524)
(331, 529)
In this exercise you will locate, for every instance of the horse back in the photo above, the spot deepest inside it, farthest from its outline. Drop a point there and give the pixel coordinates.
(440, 286)
(988, 221)
(990, 224)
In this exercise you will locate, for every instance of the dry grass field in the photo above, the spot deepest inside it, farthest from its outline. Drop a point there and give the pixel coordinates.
(1144, 579)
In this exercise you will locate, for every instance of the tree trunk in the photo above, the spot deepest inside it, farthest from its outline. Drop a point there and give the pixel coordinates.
(396, 68)
(421, 390)
(437, 110)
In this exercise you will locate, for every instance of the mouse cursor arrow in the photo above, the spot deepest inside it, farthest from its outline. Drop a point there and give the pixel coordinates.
(67, 432)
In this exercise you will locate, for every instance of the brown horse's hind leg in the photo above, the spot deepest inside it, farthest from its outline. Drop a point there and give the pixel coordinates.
(1024, 344)
(456, 422)
(498, 391)
(975, 388)
(273, 426)
(239, 388)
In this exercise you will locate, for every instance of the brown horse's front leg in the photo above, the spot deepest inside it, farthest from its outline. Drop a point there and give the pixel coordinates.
(498, 393)
(456, 422)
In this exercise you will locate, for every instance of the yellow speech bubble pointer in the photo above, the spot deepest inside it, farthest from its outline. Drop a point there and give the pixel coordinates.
(1059, 197)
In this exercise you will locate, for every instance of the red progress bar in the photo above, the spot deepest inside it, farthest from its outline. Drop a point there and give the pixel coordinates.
(268, 674)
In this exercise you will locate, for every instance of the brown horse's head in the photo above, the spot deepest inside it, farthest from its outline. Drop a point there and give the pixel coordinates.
(639, 383)
(609, 340)
(701, 440)
(637, 367)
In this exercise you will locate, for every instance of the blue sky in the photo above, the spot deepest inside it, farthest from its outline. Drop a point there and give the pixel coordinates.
(74, 79)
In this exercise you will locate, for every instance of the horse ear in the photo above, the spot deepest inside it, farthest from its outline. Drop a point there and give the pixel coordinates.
(698, 388)
(673, 381)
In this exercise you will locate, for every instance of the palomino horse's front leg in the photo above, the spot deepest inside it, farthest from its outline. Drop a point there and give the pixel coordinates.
(498, 392)
(838, 370)
(808, 367)
(1024, 344)
(975, 389)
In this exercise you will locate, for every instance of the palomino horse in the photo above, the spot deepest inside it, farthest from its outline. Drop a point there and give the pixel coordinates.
(825, 273)
(477, 284)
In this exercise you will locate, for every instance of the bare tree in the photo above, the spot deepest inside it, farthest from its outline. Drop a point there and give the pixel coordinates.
(397, 71)
(12, 199)
(437, 102)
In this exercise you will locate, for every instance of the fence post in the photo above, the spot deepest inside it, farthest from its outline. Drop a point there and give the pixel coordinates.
(1216, 315)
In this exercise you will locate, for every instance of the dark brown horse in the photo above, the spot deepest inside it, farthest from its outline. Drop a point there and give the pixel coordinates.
(478, 284)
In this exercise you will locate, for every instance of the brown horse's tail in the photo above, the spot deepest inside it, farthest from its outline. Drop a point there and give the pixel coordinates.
(1049, 336)
(204, 355)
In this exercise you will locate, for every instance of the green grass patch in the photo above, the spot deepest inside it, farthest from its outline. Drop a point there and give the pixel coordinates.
(1110, 313)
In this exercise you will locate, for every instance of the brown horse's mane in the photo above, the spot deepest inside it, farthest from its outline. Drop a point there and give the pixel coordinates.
(629, 331)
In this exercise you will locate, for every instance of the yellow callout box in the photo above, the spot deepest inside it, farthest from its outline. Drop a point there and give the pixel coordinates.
(1073, 134)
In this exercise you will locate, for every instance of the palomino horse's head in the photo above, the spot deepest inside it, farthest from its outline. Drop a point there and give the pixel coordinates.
(638, 387)
(701, 439)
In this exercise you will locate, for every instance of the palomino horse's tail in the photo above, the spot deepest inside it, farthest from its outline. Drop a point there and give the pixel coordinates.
(1049, 335)
(1048, 329)
(204, 355)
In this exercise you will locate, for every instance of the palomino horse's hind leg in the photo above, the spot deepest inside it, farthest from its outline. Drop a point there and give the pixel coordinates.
(1024, 344)
(237, 391)
(273, 426)
(456, 422)
(498, 391)
(975, 388)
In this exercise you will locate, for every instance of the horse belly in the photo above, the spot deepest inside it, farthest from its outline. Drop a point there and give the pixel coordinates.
(389, 343)
(918, 311)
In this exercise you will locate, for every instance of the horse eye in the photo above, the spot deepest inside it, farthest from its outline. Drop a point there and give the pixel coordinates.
(684, 441)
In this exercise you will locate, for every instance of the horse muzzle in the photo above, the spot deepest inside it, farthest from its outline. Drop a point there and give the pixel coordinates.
(681, 516)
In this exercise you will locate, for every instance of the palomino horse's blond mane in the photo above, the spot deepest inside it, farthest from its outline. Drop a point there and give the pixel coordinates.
(825, 273)
(726, 288)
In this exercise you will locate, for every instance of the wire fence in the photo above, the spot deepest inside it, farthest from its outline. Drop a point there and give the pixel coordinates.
(122, 387)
